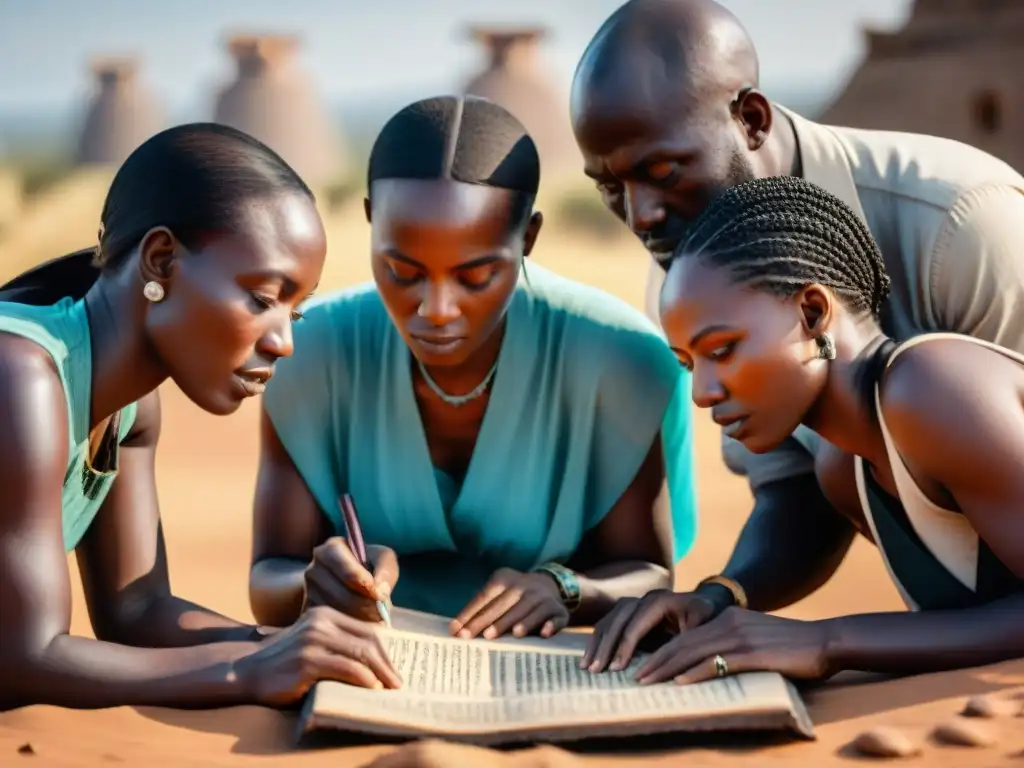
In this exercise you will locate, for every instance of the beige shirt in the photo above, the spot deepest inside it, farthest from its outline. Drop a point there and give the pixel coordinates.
(949, 220)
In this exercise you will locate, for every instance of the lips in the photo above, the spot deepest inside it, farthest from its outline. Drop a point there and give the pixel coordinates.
(730, 424)
(253, 382)
(438, 344)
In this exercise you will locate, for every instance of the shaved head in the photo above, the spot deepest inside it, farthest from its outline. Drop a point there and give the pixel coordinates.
(667, 113)
(694, 49)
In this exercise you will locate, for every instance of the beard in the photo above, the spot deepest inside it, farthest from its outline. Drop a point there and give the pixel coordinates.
(739, 171)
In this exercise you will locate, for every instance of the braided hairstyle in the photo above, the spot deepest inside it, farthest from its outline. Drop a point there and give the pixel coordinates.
(783, 233)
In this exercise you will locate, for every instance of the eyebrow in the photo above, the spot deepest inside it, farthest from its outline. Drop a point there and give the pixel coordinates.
(472, 264)
(657, 156)
(706, 332)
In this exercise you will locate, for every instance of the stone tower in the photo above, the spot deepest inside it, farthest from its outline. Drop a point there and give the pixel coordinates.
(120, 116)
(274, 100)
(515, 79)
(953, 70)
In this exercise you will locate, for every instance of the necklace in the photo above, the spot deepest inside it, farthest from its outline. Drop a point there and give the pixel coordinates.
(457, 400)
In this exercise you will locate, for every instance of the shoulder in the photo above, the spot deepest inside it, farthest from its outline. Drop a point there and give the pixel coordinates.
(33, 404)
(144, 431)
(945, 392)
(598, 327)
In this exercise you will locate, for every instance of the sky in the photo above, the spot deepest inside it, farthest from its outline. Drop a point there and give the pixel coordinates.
(361, 50)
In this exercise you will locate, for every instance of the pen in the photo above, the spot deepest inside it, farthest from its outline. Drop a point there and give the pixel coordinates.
(355, 540)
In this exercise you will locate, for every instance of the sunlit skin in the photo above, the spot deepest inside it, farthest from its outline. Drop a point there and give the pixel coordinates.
(661, 139)
(754, 364)
(446, 258)
(954, 411)
(226, 313)
(224, 320)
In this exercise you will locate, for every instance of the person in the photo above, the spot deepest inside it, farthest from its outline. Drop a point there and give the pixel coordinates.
(773, 303)
(948, 218)
(208, 243)
(507, 435)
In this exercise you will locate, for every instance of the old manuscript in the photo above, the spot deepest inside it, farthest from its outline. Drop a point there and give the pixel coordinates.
(498, 691)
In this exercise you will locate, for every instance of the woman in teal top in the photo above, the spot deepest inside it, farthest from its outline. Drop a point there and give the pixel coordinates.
(208, 243)
(505, 433)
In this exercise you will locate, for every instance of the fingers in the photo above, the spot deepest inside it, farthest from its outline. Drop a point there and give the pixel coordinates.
(607, 633)
(490, 591)
(385, 571)
(533, 615)
(323, 589)
(335, 556)
(707, 669)
(651, 612)
(354, 651)
(483, 621)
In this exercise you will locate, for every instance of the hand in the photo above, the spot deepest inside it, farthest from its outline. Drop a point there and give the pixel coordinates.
(749, 641)
(618, 634)
(322, 645)
(521, 602)
(335, 578)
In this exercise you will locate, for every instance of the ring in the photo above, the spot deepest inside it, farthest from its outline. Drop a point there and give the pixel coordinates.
(721, 666)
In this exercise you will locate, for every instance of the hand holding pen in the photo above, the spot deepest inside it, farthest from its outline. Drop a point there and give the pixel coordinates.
(350, 576)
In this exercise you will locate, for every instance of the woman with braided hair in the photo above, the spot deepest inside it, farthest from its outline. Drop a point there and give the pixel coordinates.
(773, 303)
(504, 433)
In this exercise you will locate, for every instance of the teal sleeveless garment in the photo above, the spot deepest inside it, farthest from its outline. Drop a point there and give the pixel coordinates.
(584, 383)
(62, 329)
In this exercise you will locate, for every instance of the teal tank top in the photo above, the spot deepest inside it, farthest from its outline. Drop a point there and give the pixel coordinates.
(62, 329)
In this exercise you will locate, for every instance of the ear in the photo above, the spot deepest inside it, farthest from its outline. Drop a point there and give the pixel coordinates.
(532, 230)
(754, 111)
(816, 305)
(157, 255)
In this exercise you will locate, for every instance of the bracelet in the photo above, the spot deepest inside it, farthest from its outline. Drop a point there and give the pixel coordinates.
(567, 581)
(739, 595)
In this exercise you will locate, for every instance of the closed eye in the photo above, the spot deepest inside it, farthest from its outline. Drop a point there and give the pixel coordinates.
(722, 352)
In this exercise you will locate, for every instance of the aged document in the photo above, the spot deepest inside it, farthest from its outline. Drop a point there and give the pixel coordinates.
(532, 689)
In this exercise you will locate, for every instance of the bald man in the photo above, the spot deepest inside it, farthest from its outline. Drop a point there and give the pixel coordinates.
(667, 112)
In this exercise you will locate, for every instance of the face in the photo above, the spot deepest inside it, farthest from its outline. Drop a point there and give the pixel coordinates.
(659, 157)
(228, 307)
(446, 258)
(752, 353)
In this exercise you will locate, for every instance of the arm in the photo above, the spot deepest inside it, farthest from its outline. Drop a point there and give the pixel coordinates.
(629, 552)
(287, 526)
(39, 661)
(123, 559)
(954, 412)
(790, 546)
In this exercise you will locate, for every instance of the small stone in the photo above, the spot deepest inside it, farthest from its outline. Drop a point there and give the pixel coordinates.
(26, 749)
(886, 742)
(989, 707)
(964, 733)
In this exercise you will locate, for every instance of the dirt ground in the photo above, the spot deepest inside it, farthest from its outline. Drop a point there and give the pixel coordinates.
(206, 488)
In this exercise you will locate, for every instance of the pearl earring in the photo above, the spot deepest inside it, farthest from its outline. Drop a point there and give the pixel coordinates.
(153, 291)
(826, 346)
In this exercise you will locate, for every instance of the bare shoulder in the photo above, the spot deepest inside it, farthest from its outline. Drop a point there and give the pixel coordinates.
(145, 431)
(948, 389)
(33, 408)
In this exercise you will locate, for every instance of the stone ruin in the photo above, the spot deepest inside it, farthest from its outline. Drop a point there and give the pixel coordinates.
(953, 70)
(120, 116)
(274, 100)
(515, 78)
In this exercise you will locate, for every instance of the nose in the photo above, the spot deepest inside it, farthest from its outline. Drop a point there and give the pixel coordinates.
(439, 306)
(277, 341)
(707, 389)
(644, 207)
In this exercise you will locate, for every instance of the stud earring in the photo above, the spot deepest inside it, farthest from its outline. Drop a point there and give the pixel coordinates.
(153, 291)
(826, 346)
